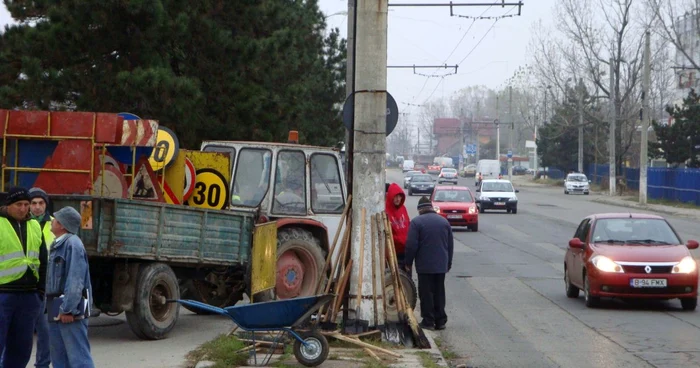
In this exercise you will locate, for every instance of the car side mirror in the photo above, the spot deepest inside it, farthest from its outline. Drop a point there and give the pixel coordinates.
(517, 191)
(589, 182)
(576, 243)
(478, 190)
(692, 244)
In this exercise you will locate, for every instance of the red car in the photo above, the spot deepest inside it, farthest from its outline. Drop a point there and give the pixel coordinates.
(624, 255)
(434, 169)
(457, 205)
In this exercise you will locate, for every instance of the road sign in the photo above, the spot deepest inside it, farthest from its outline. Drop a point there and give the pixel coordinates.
(167, 148)
(392, 112)
(470, 149)
(210, 190)
(510, 154)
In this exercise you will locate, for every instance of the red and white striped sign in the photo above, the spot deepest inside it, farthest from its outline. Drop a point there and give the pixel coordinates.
(140, 133)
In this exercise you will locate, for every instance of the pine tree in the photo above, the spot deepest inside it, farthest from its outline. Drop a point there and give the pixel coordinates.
(210, 69)
(676, 143)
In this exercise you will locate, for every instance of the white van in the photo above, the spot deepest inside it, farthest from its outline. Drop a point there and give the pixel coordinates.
(408, 165)
(489, 169)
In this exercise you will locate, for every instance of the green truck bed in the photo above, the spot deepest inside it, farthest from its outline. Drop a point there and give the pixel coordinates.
(175, 234)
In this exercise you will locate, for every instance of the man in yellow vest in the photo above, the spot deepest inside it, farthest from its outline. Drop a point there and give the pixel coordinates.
(22, 278)
(38, 203)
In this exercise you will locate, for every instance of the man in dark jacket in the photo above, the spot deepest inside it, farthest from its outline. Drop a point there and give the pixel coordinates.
(430, 244)
(22, 277)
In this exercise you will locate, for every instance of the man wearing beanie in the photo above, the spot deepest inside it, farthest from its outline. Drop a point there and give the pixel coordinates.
(38, 203)
(23, 258)
(430, 244)
(69, 293)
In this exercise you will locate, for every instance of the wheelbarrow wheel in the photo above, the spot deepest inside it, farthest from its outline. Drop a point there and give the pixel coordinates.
(314, 351)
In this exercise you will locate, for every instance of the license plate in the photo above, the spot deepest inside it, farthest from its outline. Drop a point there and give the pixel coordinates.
(454, 216)
(648, 283)
(500, 203)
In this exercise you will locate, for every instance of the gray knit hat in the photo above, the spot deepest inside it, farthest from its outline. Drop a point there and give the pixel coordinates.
(69, 218)
(424, 203)
(40, 193)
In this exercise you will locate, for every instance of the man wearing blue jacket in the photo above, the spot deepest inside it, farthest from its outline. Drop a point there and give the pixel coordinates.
(68, 285)
(431, 245)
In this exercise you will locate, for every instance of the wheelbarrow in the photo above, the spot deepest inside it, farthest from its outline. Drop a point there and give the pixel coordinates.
(282, 316)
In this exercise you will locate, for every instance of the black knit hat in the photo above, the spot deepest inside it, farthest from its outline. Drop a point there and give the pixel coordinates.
(16, 194)
(424, 202)
(38, 193)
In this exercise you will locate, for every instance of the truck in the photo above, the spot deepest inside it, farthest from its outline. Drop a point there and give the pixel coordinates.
(145, 253)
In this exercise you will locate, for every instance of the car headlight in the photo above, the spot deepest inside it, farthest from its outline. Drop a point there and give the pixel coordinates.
(437, 209)
(514, 199)
(472, 210)
(605, 264)
(686, 265)
(486, 199)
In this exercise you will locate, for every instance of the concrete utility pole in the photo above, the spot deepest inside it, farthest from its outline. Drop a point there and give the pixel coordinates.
(498, 130)
(580, 125)
(646, 114)
(613, 117)
(509, 163)
(369, 149)
(476, 134)
(350, 87)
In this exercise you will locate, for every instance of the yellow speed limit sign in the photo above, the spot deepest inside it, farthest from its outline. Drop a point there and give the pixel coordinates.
(210, 190)
(166, 149)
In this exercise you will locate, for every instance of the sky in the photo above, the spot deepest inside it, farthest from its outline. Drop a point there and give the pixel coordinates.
(487, 55)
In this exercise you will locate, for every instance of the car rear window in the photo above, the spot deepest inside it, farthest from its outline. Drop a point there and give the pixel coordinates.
(421, 178)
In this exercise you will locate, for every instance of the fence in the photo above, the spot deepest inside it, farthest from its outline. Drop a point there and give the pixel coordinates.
(682, 185)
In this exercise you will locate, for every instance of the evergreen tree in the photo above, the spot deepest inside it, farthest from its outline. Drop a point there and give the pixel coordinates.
(676, 143)
(209, 69)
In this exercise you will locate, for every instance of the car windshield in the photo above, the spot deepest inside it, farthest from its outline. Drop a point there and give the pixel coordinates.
(634, 231)
(421, 179)
(578, 178)
(496, 186)
(453, 196)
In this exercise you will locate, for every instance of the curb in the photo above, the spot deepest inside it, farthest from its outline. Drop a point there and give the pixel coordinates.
(646, 207)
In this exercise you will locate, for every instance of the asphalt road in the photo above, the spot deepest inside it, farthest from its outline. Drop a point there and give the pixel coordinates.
(506, 300)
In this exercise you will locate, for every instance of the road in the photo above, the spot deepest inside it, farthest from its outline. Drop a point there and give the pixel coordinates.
(506, 301)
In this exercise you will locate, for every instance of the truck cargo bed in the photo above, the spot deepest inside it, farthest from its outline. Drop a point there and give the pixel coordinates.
(144, 230)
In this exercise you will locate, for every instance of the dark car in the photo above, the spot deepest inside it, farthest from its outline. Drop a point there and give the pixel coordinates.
(421, 184)
(519, 170)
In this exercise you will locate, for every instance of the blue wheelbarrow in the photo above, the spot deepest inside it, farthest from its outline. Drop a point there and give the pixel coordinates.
(281, 316)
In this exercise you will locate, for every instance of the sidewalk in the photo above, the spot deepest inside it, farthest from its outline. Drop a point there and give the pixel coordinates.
(633, 202)
(346, 357)
(621, 201)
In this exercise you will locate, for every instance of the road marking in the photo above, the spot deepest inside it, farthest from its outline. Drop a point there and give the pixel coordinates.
(559, 266)
(461, 247)
(516, 232)
(551, 247)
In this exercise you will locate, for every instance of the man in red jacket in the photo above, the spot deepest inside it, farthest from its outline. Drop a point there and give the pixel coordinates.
(396, 211)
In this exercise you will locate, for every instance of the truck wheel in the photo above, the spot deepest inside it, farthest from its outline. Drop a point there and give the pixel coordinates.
(300, 263)
(218, 294)
(152, 317)
(409, 288)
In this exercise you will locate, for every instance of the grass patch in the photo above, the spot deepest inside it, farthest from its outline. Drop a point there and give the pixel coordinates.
(374, 364)
(679, 204)
(445, 350)
(282, 362)
(222, 351)
(427, 360)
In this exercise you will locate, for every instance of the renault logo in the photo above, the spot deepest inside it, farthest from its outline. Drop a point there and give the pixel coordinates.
(647, 269)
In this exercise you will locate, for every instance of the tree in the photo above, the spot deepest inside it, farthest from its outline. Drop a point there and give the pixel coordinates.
(250, 70)
(676, 142)
(557, 140)
(678, 23)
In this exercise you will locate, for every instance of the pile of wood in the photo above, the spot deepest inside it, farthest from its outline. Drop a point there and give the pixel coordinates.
(382, 251)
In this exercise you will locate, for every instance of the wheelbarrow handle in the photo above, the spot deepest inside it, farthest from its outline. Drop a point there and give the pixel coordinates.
(199, 305)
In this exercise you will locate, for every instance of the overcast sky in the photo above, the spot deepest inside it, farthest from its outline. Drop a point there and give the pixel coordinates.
(429, 36)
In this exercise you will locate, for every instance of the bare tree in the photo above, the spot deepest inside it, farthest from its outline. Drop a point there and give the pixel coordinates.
(679, 24)
(429, 112)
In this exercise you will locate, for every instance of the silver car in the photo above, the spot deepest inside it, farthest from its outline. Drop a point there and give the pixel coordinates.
(448, 175)
(577, 183)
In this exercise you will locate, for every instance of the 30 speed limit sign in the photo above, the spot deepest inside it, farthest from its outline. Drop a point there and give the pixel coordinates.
(210, 190)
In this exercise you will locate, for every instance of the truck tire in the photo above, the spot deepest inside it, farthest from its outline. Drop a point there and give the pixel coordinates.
(409, 288)
(221, 295)
(300, 261)
(152, 318)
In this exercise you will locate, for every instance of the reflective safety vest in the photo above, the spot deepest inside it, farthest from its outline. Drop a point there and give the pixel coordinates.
(13, 260)
(48, 235)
